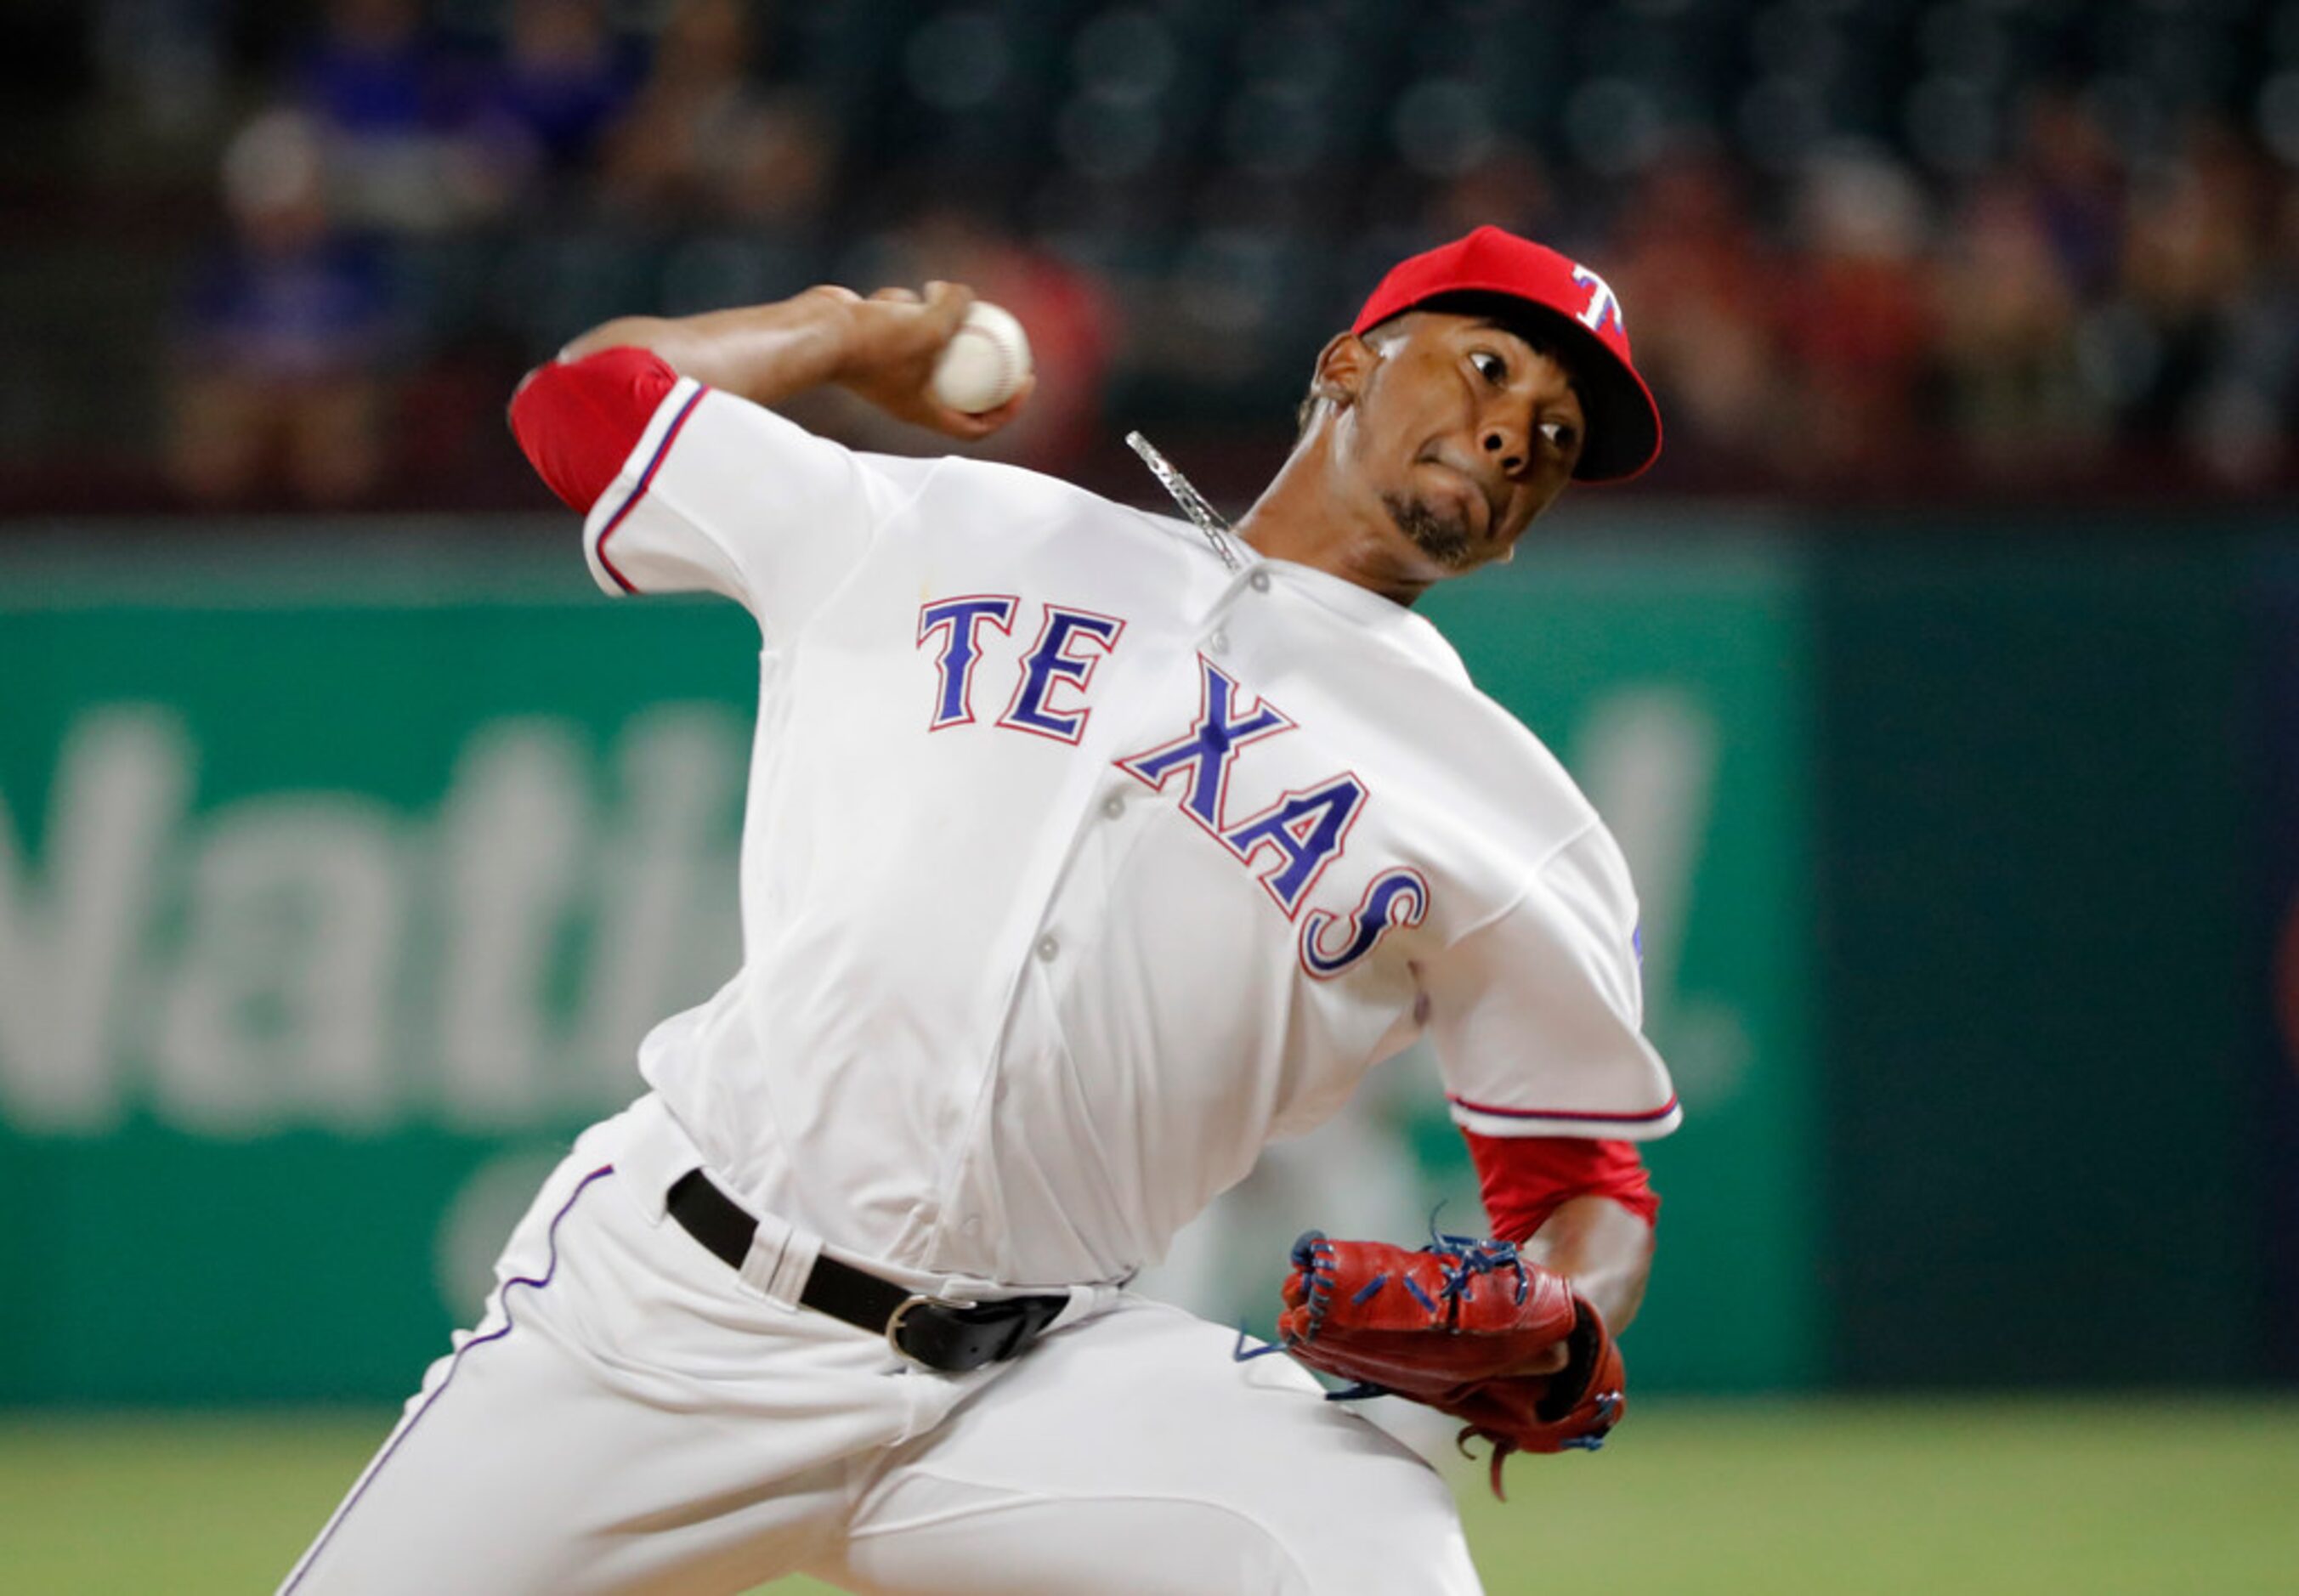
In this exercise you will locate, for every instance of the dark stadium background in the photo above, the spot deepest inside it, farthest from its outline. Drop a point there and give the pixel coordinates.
(1941, 680)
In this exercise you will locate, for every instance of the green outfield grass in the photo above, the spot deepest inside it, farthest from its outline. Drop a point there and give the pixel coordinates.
(2040, 1497)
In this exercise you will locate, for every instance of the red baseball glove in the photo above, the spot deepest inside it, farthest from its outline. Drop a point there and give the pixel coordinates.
(1456, 1326)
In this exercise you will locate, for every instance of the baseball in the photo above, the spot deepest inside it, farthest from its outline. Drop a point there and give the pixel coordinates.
(984, 361)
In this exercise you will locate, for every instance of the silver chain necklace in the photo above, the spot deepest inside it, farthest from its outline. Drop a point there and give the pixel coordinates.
(1194, 503)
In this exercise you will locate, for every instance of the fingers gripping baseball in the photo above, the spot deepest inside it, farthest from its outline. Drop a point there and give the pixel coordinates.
(898, 338)
(1468, 1327)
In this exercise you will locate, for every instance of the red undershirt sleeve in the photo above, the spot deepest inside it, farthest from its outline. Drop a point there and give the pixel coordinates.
(578, 421)
(1525, 1179)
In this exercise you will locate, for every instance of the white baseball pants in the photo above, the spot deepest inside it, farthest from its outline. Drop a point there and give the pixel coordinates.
(631, 1416)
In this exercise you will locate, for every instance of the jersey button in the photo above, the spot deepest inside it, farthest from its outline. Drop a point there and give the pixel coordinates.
(1113, 806)
(1258, 581)
(1218, 643)
(1048, 947)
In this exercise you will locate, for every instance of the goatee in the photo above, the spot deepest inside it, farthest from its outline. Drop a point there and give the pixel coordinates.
(1444, 538)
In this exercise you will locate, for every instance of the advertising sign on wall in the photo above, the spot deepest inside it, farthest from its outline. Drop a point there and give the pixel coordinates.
(2279, 699)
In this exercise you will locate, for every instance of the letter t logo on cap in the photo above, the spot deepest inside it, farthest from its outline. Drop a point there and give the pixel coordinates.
(1604, 304)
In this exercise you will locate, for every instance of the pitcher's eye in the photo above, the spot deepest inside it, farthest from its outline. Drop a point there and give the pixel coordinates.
(1559, 433)
(1490, 367)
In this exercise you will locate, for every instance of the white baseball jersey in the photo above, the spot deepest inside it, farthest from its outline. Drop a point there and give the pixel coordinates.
(1077, 866)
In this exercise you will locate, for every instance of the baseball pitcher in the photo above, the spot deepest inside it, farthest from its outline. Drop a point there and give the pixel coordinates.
(1087, 851)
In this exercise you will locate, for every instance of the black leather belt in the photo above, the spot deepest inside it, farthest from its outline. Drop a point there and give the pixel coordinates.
(951, 1337)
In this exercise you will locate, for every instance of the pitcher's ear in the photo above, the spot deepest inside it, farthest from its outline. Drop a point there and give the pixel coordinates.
(1342, 366)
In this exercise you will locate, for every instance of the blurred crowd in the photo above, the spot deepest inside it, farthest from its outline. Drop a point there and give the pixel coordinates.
(2067, 317)
(1913, 247)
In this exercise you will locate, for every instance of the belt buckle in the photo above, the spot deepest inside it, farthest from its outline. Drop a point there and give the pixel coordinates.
(901, 1311)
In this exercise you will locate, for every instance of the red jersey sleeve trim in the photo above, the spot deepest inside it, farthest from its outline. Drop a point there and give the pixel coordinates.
(578, 421)
(1525, 1179)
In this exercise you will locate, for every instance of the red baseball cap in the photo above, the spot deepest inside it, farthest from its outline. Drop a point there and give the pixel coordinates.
(1623, 421)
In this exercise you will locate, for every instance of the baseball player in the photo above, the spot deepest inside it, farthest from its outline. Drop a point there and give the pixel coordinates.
(1087, 851)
